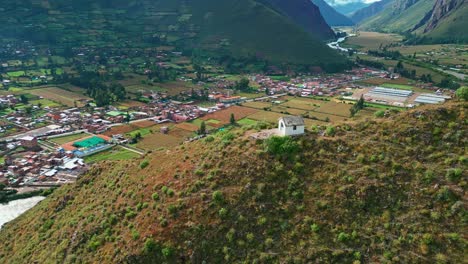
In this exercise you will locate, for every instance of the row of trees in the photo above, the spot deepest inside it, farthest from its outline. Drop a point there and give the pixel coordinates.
(357, 106)
(96, 88)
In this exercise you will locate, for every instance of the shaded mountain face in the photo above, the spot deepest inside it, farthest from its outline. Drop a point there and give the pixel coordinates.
(282, 201)
(369, 11)
(442, 9)
(332, 17)
(282, 31)
(445, 23)
(303, 13)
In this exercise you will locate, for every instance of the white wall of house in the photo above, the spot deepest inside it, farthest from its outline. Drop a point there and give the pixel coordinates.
(289, 131)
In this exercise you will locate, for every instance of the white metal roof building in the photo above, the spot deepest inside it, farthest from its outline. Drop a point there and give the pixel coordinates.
(389, 94)
(431, 99)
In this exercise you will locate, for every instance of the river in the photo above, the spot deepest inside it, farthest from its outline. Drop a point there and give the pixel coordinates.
(15, 208)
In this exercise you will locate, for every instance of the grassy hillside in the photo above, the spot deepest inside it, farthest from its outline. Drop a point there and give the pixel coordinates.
(385, 190)
(392, 19)
(241, 28)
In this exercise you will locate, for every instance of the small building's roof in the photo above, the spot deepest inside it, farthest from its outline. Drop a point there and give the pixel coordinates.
(27, 138)
(293, 120)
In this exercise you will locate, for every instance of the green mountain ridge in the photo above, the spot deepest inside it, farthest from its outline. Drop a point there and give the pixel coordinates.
(385, 190)
(236, 28)
(398, 16)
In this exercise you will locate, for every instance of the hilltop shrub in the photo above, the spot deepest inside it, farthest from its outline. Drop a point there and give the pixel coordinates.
(379, 114)
(167, 252)
(218, 197)
(222, 212)
(453, 175)
(330, 131)
(155, 196)
(281, 146)
(343, 237)
(150, 246)
(144, 164)
(462, 93)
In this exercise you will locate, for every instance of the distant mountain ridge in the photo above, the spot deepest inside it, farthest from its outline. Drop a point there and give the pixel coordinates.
(369, 11)
(281, 31)
(332, 17)
(350, 8)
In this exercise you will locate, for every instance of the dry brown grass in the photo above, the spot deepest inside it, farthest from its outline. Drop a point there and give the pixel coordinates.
(225, 115)
(59, 95)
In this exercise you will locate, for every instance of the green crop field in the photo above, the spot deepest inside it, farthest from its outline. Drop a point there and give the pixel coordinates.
(66, 139)
(246, 122)
(116, 153)
(398, 86)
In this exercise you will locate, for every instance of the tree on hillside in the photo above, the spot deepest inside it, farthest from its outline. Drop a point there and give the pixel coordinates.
(357, 106)
(462, 93)
(24, 99)
(232, 120)
(242, 85)
(202, 130)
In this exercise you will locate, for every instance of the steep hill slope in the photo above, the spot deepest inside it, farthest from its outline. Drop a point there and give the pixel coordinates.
(239, 28)
(445, 23)
(377, 191)
(398, 16)
(369, 11)
(303, 13)
(332, 17)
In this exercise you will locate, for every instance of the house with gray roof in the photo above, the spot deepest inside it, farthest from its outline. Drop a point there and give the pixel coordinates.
(291, 126)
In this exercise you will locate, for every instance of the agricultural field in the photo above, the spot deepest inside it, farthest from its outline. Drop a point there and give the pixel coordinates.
(302, 103)
(257, 105)
(371, 40)
(157, 140)
(123, 129)
(116, 153)
(45, 103)
(188, 126)
(446, 54)
(70, 138)
(58, 95)
(176, 87)
(288, 110)
(380, 81)
(224, 115)
(246, 122)
(398, 86)
(333, 108)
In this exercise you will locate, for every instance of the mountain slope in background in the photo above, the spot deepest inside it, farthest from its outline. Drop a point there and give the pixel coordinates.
(445, 23)
(303, 13)
(369, 11)
(380, 191)
(237, 28)
(332, 17)
(350, 8)
(398, 16)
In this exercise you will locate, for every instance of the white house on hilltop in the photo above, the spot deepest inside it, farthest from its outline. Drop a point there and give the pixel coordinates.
(291, 126)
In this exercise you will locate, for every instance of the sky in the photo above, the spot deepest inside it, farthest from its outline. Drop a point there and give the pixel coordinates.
(344, 2)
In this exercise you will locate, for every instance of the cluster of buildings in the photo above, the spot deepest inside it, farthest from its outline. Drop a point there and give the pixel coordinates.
(40, 169)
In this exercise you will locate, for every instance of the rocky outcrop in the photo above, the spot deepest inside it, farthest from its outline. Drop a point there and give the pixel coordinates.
(442, 9)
